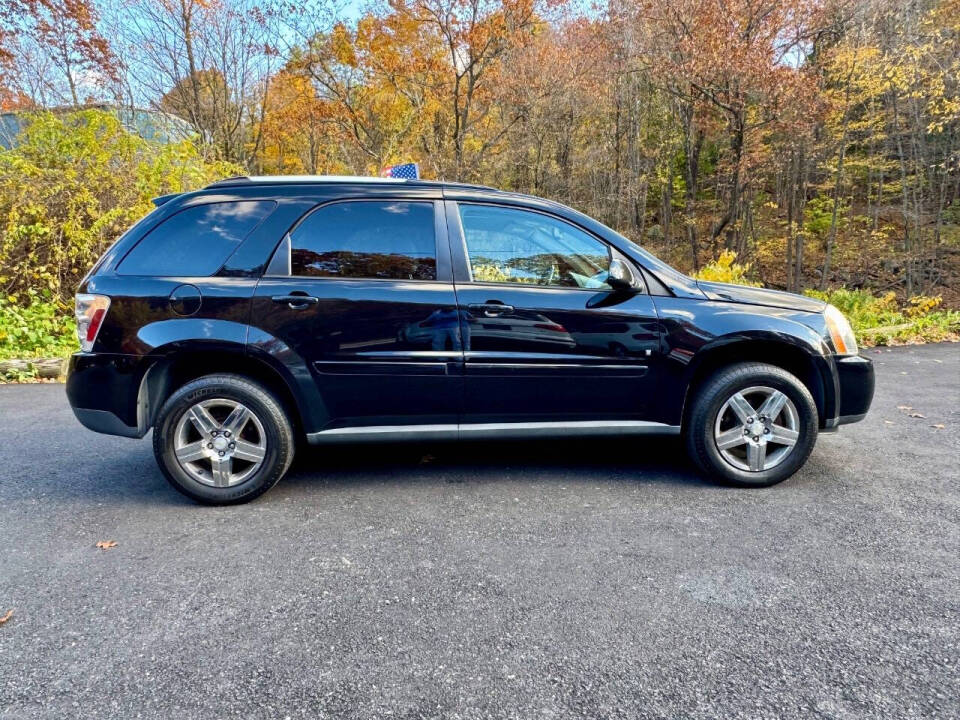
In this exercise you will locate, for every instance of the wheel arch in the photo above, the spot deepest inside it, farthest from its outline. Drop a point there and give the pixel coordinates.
(811, 368)
(175, 370)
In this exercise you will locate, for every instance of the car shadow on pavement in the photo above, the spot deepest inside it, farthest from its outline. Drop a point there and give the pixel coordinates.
(127, 475)
(644, 459)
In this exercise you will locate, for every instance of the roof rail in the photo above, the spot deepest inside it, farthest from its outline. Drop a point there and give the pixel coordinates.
(239, 180)
(164, 199)
(281, 179)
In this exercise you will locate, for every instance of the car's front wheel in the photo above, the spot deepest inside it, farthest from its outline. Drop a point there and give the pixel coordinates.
(752, 425)
(223, 439)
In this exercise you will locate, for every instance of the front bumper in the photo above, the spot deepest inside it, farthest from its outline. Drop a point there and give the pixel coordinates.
(856, 382)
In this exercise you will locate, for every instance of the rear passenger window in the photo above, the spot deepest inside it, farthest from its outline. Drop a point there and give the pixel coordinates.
(366, 239)
(197, 241)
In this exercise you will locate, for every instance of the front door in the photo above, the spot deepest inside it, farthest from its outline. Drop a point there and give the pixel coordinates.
(361, 290)
(546, 338)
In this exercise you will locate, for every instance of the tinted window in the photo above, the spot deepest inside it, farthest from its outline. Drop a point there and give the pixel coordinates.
(196, 241)
(393, 240)
(506, 245)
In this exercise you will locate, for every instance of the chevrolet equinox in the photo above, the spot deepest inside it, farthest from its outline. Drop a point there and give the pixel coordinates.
(237, 320)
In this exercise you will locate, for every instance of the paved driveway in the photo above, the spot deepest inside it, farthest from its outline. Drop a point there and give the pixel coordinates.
(554, 580)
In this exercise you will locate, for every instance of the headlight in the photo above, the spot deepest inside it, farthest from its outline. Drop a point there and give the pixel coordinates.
(844, 341)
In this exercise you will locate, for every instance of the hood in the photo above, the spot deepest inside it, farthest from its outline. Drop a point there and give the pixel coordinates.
(760, 296)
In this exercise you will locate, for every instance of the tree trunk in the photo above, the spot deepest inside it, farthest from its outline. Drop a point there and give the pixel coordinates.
(838, 185)
(738, 130)
(666, 205)
(908, 271)
(693, 138)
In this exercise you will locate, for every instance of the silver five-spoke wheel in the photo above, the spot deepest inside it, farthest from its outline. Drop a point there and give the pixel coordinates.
(757, 428)
(220, 442)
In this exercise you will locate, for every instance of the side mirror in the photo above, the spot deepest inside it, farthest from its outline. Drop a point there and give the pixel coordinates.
(620, 276)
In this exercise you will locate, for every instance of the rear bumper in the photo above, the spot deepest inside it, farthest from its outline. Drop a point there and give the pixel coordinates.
(856, 382)
(106, 422)
(104, 391)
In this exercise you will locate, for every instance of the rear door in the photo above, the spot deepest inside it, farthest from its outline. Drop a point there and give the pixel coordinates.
(545, 336)
(362, 290)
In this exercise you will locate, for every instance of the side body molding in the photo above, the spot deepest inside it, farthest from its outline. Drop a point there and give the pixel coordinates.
(467, 431)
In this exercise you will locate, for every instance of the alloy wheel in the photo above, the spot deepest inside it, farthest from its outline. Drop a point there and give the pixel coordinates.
(220, 442)
(757, 428)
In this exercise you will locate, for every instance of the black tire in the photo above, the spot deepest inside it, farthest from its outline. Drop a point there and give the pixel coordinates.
(278, 436)
(709, 399)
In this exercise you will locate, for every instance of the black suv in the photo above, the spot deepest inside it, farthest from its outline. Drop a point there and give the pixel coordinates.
(258, 311)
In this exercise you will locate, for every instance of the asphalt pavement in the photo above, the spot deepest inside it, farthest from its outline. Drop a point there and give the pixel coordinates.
(599, 579)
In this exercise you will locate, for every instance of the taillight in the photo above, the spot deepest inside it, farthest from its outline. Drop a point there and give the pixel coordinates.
(91, 310)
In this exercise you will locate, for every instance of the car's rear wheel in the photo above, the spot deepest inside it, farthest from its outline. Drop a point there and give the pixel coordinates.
(751, 425)
(223, 439)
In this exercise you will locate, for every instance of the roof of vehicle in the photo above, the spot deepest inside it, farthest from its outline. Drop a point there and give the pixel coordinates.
(243, 180)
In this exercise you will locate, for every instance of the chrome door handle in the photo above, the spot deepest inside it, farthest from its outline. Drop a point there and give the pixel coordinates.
(491, 309)
(295, 301)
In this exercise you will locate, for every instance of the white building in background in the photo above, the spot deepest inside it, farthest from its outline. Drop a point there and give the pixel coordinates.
(152, 125)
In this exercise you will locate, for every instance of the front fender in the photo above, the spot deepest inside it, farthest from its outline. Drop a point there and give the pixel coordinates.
(697, 334)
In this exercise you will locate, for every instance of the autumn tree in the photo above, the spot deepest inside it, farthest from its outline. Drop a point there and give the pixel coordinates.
(738, 63)
(376, 81)
(476, 36)
(298, 130)
(52, 51)
(204, 60)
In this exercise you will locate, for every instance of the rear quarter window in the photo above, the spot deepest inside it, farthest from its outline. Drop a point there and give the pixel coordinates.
(196, 241)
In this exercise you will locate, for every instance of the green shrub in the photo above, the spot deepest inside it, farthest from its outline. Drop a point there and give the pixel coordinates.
(880, 320)
(72, 184)
(36, 329)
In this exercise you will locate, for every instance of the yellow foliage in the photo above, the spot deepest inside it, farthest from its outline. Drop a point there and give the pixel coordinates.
(72, 185)
(920, 305)
(726, 269)
(489, 273)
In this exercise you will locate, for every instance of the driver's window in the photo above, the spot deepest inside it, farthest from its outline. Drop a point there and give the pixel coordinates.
(507, 245)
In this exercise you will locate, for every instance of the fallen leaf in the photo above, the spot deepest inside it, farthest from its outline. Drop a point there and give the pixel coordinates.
(918, 415)
(939, 426)
(6, 617)
(107, 544)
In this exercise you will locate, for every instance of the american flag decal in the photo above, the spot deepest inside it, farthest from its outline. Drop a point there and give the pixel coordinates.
(407, 171)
